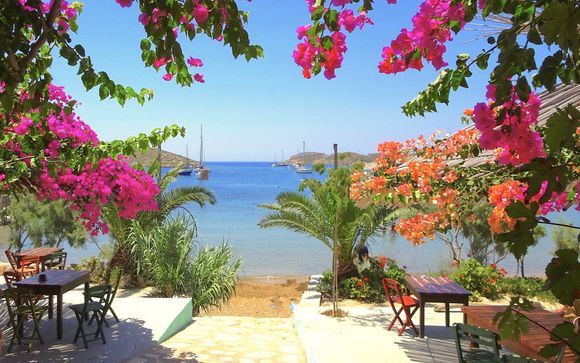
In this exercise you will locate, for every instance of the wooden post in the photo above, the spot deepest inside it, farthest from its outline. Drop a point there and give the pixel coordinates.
(159, 159)
(335, 307)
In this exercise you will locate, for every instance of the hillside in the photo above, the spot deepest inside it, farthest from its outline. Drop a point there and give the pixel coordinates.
(168, 159)
(344, 158)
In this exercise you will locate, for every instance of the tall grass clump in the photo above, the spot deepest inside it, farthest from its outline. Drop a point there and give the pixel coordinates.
(214, 273)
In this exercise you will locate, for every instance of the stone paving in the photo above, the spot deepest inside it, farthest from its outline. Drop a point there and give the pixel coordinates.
(230, 339)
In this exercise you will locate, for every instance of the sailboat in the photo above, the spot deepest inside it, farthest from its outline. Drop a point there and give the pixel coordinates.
(187, 169)
(302, 169)
(202, 172)
(281, 163)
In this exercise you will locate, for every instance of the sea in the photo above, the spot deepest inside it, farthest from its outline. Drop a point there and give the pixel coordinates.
(240, 187)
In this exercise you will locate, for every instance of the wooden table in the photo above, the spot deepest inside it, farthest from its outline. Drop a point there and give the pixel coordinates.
(436, 289)
(529, 343)
(41, 252)
(57, 283)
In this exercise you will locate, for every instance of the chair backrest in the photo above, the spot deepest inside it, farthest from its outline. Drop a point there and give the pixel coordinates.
(11, 277)
(115, 279)
(472, 334)
(28, 261)
(393, 291)
(56, 260)
(18, 297)
(12, 259)
(105, 299)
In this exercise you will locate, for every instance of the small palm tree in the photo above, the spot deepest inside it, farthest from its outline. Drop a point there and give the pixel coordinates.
(168, 201)
(327, 213)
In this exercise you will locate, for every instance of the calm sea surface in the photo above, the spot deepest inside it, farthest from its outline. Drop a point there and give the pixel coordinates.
(241, 187)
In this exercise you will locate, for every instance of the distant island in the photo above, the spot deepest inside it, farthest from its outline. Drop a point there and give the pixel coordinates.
(168, 159)
(344, 158)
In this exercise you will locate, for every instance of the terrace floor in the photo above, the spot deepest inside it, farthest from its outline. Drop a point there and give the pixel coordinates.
(308, 336)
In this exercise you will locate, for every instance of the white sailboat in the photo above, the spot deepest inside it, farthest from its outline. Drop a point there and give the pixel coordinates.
(302, 169)
(187, 169)
(202, 172)
(281, 163)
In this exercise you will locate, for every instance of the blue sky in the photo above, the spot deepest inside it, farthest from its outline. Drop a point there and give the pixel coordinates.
(252, 110)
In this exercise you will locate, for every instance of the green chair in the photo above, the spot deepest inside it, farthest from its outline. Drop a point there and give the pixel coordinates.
(97, 293)
(518, 359)
(476, 337)
(97, 310)
(22, 304)
(56, 261)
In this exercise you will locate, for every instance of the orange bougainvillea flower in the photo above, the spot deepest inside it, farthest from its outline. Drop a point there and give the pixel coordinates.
(468, 112)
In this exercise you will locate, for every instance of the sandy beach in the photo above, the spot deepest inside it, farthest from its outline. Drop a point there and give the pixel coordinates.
(264, 297)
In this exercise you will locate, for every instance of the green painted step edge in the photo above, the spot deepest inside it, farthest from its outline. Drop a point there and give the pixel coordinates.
(182, 320)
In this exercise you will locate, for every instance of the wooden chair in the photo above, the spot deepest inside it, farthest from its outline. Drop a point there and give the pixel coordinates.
(98, 293)
(56, 261)
(477, 337)
(97, 310)
(11, 277)
(27, 265)
(408, 305)
(22, 305)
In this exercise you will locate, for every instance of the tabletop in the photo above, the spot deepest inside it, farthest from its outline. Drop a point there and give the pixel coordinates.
(39, 251)
(529, 343)
(56, 278)
(429, 285)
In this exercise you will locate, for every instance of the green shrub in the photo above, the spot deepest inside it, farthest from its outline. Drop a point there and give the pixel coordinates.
(95, 266)
(359, 289)
(325, 284)
(480, 280)
(530, 287)
(214, 273)
(368, 285)
(167, 257)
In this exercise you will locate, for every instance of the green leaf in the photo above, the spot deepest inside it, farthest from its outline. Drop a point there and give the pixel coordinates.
(560, 22)
(561, 128)
(534, 36)
(523, 88)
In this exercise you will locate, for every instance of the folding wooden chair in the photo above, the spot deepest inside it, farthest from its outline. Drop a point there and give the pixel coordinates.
(56, 261)
(22, 304)
(409, 305)
(97, 310)
(476, 337)
(28, 266)
(99, 293)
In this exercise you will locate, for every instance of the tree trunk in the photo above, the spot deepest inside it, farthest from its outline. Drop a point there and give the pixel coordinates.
(522, 267)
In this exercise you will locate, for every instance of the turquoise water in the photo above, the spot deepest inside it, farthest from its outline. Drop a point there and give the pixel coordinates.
(241, 187)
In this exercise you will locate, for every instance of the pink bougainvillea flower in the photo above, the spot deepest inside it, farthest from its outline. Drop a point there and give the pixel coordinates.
(144, 19)
(200, 14)
(124, 3)
(160, 62)
(194, 62)
(199, 77)
(168, 77)
(157, 14)
(2, 86)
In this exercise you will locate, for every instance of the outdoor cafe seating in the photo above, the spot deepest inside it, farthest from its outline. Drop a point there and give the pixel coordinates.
(39, 274)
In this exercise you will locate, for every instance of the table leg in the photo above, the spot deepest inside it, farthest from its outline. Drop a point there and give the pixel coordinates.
(86, 298)
(465, 303)
(422, 318)
(50, 306)
(446, 314)
(59, 316)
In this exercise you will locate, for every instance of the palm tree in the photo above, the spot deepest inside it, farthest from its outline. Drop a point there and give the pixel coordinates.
(327, 213)
(168, 201)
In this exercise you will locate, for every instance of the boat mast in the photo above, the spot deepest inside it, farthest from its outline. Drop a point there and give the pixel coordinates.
(201, 148)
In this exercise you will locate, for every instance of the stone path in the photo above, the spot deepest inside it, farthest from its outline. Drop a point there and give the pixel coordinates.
(230, 339)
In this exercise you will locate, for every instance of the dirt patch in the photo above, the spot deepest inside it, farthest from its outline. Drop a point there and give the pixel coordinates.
(265, 297)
